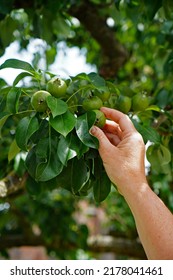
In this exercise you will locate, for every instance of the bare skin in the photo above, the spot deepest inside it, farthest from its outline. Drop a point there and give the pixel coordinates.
(122, 150)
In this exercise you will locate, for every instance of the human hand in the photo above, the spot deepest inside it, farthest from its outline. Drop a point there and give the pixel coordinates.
(122, 150)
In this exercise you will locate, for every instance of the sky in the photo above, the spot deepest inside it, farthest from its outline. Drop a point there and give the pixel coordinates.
(68, 62)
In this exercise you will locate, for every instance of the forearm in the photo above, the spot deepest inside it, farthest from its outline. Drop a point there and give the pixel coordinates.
(122, 150)
(154, 222)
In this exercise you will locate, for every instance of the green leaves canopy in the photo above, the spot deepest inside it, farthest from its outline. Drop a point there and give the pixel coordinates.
(58, 141)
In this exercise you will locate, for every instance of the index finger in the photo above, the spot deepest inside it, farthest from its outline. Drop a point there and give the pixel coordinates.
(123, 120)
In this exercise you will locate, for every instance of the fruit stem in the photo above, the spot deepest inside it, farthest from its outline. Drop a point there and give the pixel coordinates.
(75, 106)
(23, 112)
(76, 92)
(72, 95)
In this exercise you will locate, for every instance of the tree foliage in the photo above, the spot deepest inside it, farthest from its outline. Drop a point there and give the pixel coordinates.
(49, 159)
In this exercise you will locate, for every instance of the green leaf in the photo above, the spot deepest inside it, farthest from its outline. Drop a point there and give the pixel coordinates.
(168, 65)
(164, 155)
(17, 64)
(101, 187)
(152, 156)
(42, 148)
(20, 77)
(153, 108)
(65, 151)
(79, 147)
(7, 27)
(64, 178)
(74, 176)
(85, 188)
(33, 187)
(42, 132)
(117, 3)
(63, 123)
(168, 8)
(94, 81)
(19, 164)
(13, 100)
(97, 81)
(113, 88)
(151, 7)
(49, 165)
(2, 83)
(13, 150)
(79, 174)
(6, 6)
(3, 120)
(83, 125)
(147, 132)
(43, 166)
(159, 156)
(81, 76)
(69, 146)
(97, 166)
(25, 129)
(31, 162)
(48, 170)
(62, 27)
(51, 53)
(57, 106)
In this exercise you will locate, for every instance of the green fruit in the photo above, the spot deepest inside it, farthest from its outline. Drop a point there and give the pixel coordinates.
(124, 104)
(140, 102)
(104, 96)
(127, 91)
(92, 103)
(100, 118)
(38, 100)
(56, 87)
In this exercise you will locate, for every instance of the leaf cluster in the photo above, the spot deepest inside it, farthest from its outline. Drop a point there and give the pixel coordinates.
(57, 143)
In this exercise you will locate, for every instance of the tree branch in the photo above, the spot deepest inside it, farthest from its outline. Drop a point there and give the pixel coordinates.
(114, 53)
(12, 184)
(99, 244)
(117, 245)
(16, 240)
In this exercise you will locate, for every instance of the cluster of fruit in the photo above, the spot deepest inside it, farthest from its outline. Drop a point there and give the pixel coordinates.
(58, 88)
(55, 87)
(125, 100)
(128, 100)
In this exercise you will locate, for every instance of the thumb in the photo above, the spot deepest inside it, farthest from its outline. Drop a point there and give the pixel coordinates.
(99, 134)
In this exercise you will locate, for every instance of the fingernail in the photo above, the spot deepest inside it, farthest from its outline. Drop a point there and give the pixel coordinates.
(92, 130)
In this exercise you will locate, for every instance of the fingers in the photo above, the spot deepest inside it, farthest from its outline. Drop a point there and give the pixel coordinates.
(117, 127)
(121, 119)
(114, 139)
(104, 142)
(112, 128)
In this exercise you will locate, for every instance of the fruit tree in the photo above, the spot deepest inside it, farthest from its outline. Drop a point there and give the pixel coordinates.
(49, 160)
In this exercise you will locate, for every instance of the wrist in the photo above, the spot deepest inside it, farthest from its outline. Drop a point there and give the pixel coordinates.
(138, 195)
(134, 188)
